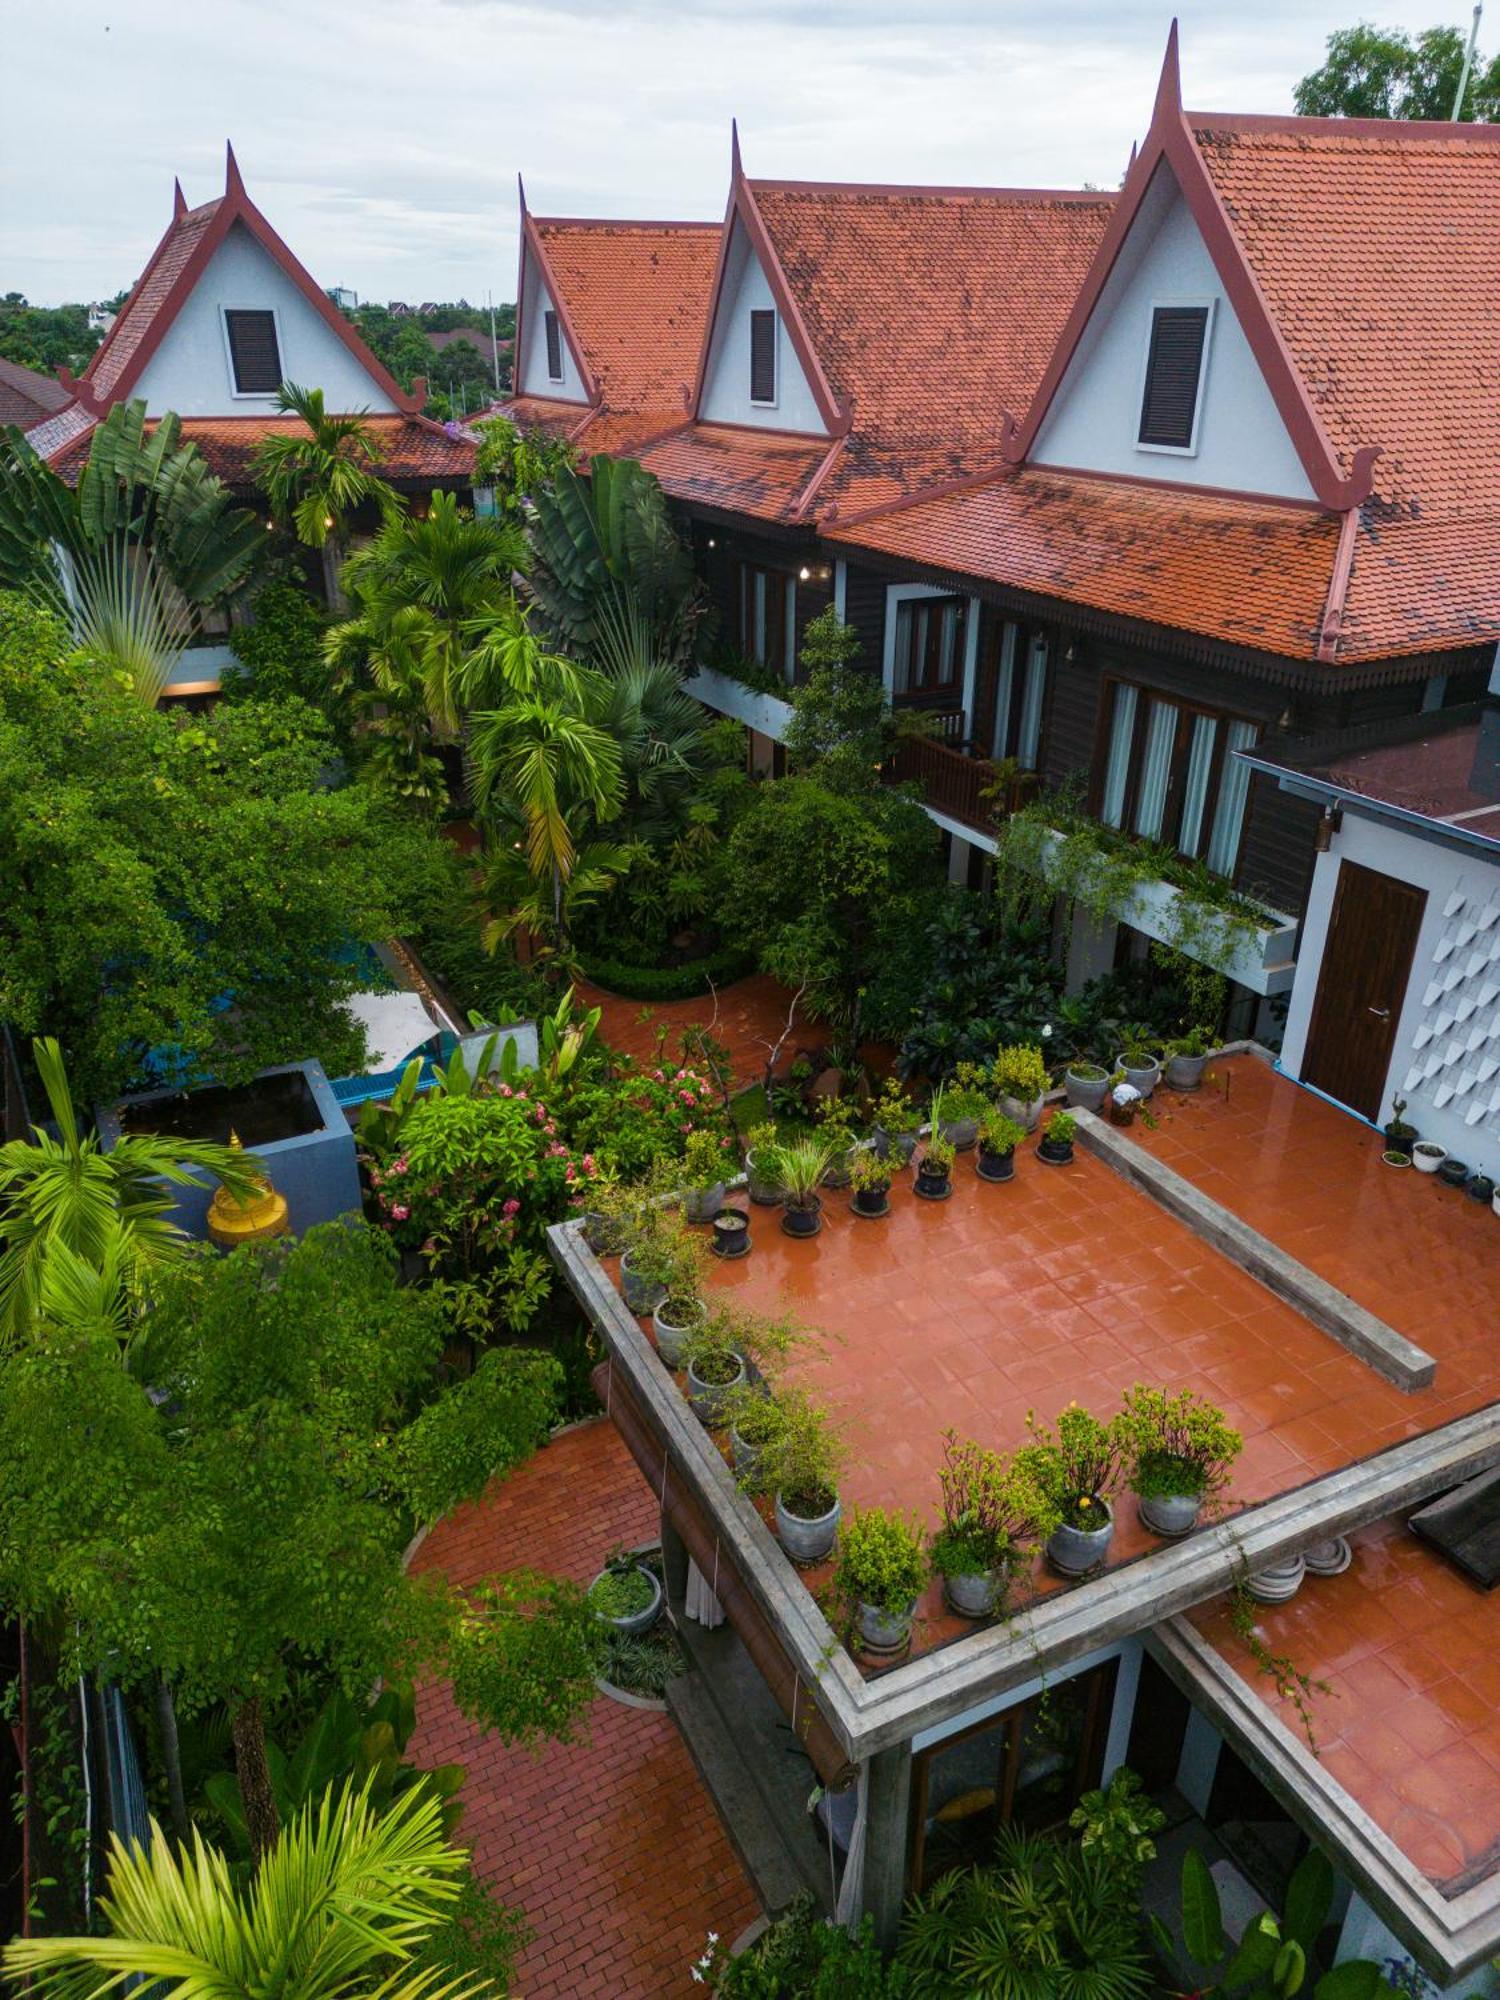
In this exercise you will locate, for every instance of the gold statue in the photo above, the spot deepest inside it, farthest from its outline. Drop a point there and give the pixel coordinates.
(255, 1219)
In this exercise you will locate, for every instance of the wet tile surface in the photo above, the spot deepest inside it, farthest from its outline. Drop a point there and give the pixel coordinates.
(609, 1844)
(1409, 1723)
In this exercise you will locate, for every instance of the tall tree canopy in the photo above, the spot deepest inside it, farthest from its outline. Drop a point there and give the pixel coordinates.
(1372, 72)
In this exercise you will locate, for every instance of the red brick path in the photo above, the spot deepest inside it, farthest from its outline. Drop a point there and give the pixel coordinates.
(610, 1845)
(751, 1015)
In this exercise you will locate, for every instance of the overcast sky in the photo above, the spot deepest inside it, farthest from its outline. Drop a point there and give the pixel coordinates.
(382, 137)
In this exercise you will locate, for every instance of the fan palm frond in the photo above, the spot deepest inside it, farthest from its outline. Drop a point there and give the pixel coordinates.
(129, 616)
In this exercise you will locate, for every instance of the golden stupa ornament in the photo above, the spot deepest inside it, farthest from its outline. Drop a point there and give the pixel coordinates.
(253, 1218)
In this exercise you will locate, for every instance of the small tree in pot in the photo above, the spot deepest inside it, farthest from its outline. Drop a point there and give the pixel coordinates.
(800, 1462)
(1187, 1058)
(1019, 1078)
(964, 1103)
(1399, 1136)
(994, 1515)
(702, 1175)
(1178, 1453)
(838, 1128)
(760, 1156)
(896, 1122)
(870, 1178)
(754, 1416)
(882, 1571)
(719, 1352)
(1056, 1143)
(1076, 1466)
(800, 1167)
(999, 1137)
(935, 1170)
(676, 1260)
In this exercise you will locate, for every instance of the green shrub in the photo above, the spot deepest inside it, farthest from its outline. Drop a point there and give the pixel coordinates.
(669, 982)
(282, 652)
(882, 1560)
(800, 1957)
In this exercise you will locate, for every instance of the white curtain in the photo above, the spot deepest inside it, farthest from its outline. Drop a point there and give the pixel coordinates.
(700, 1603)
(851, 1888)
(1156, 769)
(1008, 638)
(1224, 842)
(1200, 763)
(1029, 732)
(1117, 769)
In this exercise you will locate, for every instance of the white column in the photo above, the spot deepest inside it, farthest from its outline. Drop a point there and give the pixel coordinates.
(971, 663)
(840, 589)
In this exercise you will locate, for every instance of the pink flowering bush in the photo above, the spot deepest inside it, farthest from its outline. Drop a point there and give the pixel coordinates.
(639, 1115)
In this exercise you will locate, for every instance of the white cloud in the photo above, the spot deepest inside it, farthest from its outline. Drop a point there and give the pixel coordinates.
(383, 138)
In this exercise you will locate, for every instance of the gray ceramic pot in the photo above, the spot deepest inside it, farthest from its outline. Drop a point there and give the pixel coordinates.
(1085, 1093)
(807, 1541)
(1184, 1072)
(746, 1456)
(880, 1632)
(1027, 1112)
(1076, 1551)
(903, 1144)
(642, 1295)
(702, 1204)
(670, 1336)
(603, 1235)
(1171, 1513)
(1145, 1079)
(1276, 1584)
(707, 1398)
(638, 1621)
(960, 1133)
(761, 1189)
(975, 1595)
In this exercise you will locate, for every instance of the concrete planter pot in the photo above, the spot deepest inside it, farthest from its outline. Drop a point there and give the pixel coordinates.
(702, 1204)
(707, 1398)
(761, 1188)
(746, 1456)
(960, 1132)
(902, 1144)
(1144, 1077)
(1184, 1072)
(807, 1540)
(1171, 1513)
(1279, 1582)
(642, 1295)
(670, 1335)
(1085, 1093)
(1026, 1112)
(1495, 1202)
(884, 1631)
(638, 1621)
(1427, 1156)
(975, 1594)
(1076, 1551)
(602, 1234)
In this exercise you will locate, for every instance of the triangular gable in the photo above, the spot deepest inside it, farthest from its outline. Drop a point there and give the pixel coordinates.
(177, 265)
(1170, 143)
(749, 273)
(538, 292)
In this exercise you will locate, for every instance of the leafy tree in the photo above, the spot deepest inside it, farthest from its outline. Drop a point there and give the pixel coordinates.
(518, 464)
(46, 338)
(841, 727)
(1372, 72)
(347, 1905)
(280, 649)
(154, 867)
(244, 1519)
(317, 477)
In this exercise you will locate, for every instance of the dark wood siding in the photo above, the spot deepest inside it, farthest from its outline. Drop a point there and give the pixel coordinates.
(1277, 847)
(1072, 720)
(864, 609)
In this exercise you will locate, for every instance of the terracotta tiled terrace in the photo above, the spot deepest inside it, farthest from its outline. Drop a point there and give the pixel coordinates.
(1310, 1177)
(609, 1844)
(750, 1018)
(1067, 1284)
(1410, 1725)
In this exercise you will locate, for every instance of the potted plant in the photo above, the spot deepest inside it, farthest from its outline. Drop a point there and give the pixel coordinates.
(993, 1515)
(935, 1170)
(964, 1103)
(999, 1137)
(1178, 1452)
(896, 1122)
(800, 1167)
(1085, 1085)
(1140, 1059)
(1124, 1100)
(1020, 1080)
(676, 1260)
(870, 1178)
(605, 1220)
(703, 1175)
(882, 1571)
(1393, 1156)
(1187, 1058)
(1399, 1136)
(722, 1349)
(1452, 1173)
(1076, 1467)
(760, 1158)
(648, 1229)
(754, 1416)
(1427, 1155)
(625, 1595)
(800, 1463)
(838, 1121)
(1056, 1144)
(1480, 1188)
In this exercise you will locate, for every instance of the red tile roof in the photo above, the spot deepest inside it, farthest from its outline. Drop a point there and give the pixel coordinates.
(138, 319)
(414, 449)
(1253, 573)
(26, 397)
(743, 471)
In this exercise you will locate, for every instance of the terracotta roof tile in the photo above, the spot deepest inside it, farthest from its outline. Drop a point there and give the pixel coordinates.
(414, 448)
(134, 320)
(740, 470)
(27, 398)
(636, 295)
(1253, 574)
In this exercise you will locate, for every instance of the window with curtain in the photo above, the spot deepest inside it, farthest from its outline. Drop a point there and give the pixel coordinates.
(1020, 695)
(1170, 774)
(929, 644)
(767, 598)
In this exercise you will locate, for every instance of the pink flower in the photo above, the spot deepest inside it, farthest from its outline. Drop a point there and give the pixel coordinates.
(400, 1213)
(511, 1207)
(687, 1128)
(568, 1173)
(556, 1151)
(685, 1096)
(658, 1075)
(588, 1163)
(506, 1091)
(399, 1166)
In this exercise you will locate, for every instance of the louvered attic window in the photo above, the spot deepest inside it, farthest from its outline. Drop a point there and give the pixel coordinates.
(1174, 373)
(554, 347)
(253, 353)
(762, 357)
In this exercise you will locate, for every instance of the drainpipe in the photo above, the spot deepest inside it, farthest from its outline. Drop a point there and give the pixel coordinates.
(1463, 78)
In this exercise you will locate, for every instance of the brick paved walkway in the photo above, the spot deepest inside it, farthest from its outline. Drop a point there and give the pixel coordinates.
(751, 1016)
(610, 1845)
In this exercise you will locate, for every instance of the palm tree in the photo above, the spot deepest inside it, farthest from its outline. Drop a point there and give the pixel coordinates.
(422, 589)
(66, 1202)
(342, 1906)
(316, 478)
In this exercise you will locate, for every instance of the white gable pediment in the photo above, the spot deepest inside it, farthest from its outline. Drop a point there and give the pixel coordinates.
(1241, 443)
(534, 376)
(726, 397)
(190, 370)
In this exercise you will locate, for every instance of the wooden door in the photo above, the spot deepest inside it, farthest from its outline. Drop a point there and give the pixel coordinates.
(1372, 935)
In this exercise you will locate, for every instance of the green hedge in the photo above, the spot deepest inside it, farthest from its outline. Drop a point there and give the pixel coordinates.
(669, 982)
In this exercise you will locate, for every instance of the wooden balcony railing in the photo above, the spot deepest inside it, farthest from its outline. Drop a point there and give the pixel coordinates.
(957, 784)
